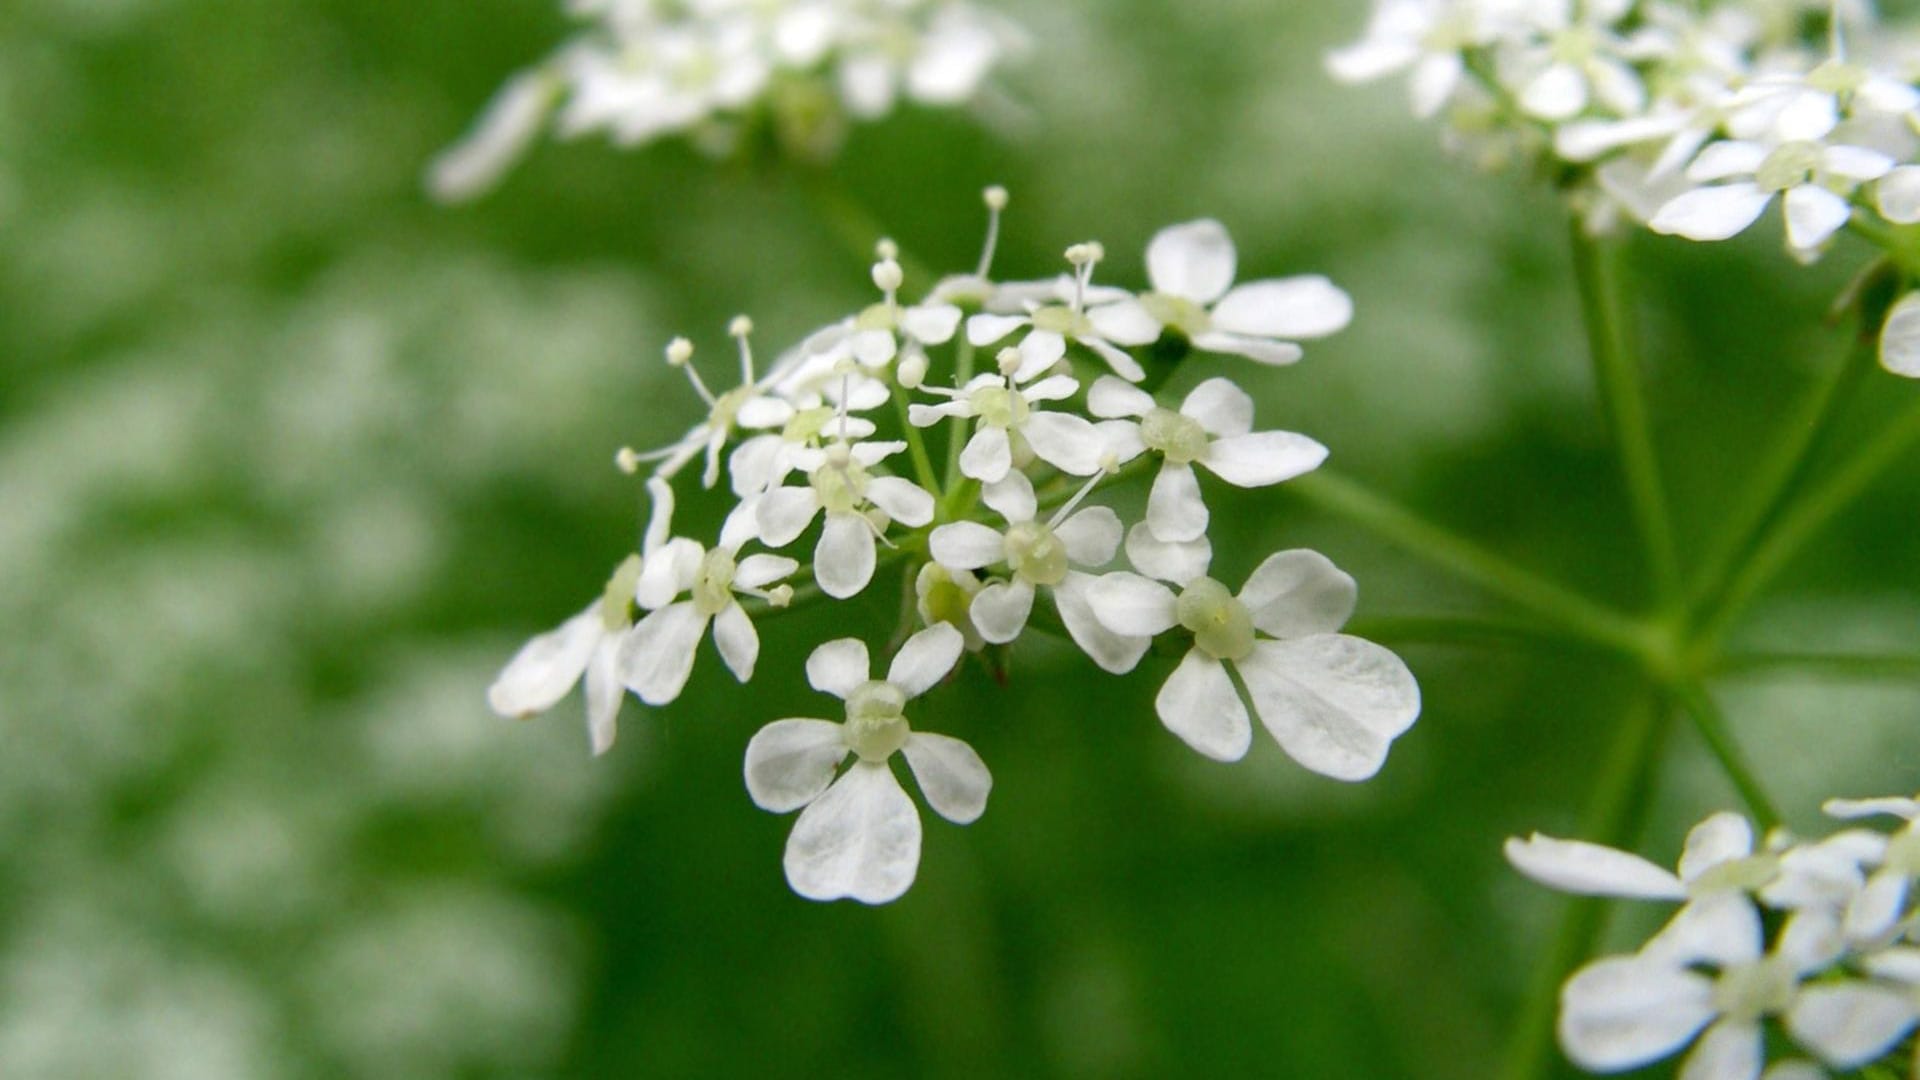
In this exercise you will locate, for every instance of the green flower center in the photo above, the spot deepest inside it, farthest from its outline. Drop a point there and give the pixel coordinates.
(1903, 852)
(1178, 312)
(727, 407)
(876, 722)
(1789, 166)
(713, 585)
(881, 316)
(1745, 875)
(942, 599)
(1221, 625)
(999, 406)
(1837, 77)
(1034, 553)
(807, 424)
(841, 484)
(1180, 438)
(1062, 320)
(1746, 992)
(616, 604)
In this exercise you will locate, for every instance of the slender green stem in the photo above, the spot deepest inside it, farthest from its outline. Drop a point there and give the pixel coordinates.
(917, 447)
(1707, 718)
(1800, 522)
(1617, 372)
(1781, 470)
(1613, 814)
(1869, 667)
(1900, 245)
(1525, 589)
(957, 428)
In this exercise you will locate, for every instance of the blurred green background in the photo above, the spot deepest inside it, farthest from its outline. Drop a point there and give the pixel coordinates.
(291, 460)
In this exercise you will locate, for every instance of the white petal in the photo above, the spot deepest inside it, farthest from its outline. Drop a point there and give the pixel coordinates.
(951, 776)
(1092, 536)
(1899, 964)
(547, 666)
(1260, 350)
(785, 513)
(1624, 1012)
(843, 561)
(1898, 195)
(603, 694)
(1558, 93)
(1878, 906)
(1617, 86)
(1729, 1050)
(929, 415)
(1811, 940)
(738, 642)
(1433, 82)
(1130, 604)
(1575, 866)
(1168, 560)
(1111, 397)
(873, 348)
(1855, 163)
(1806, 117)
(502, 134)
(1051, 388)
(1371, 59)
(1712, 213)
(1039, 351)
(1115, 653)
(1120, 440)
(1012, 498)
(838, 667)
(1308, 306)
(1125, 323)
(1297, 593)
(1814, 214)
(1851, 1024)
(761, 413)
(1854, 809)
(759, 571)
(1722, 838)
(1175, 511)
(966, 545)
(790, 762)
(931, 324)
(1333, 702)
(1263, 458)
(861, 839)
(988, 455)
(1719, 928)
(1066, 442)
(1000, 610)
(657, 656)
(1194, 261)
(1726, 160)
(1199, 704)
(925, 659)
(668, 571)
(1222, 409)
(903, 500)
(984, 330)
(1123, 365)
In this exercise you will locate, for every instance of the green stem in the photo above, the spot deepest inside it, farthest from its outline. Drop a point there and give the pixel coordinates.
(917, 447)
(1612, 817)
(1800, 522)
(1782, 470)
(1707, 718)
(1822, 665)
(957, 428)
(1525, 589)
(1617, 371)
(1898, 244)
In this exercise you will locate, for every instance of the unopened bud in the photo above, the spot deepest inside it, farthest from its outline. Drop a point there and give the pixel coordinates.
(1009, 361)
(780, 596)
(679, 352)
(887, 276)
(911, 371)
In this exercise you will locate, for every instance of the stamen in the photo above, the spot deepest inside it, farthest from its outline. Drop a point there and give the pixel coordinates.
(680, 355)
(627, 460)
(1086, 489)
(996, 199)
(887, 277)
(740, 328)
(1009, 361)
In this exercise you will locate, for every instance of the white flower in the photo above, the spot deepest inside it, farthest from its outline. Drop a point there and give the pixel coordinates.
(1424, 37)
(1214, 429)
(1334, 702)
(1037, 554)
(945, 66)
(1191, 268)
(1102, 328)
(886, 329)
(588, 644)
(1718, 857)
(752, 405)
(657, 657)
(1813, 179)
(1009, 424)
(1623, 1012)
(1576, 60)
(858, 835)
(1874, 914)
(838, 482)
(945, 595)
(1794, 107)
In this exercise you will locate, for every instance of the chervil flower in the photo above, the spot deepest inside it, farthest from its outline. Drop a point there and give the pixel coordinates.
(858, 835)
(1010, 427)
(657, 657)
(1623, 1012)
(1102, 328)
(1882, 903)
(1036, 554)
(838, 483)
(1813, 179)
(1718, 857)
(946, 65)
(752, 406)
(887, 329)
(588, 644)
(1334, 702)
(1214, 429)
(1191, 268)
(1577, 61)
(1425, 37)
(1794, 107)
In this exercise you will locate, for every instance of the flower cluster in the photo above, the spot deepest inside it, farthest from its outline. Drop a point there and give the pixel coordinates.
(641, 70)
(1820, 938)
(1002, 541)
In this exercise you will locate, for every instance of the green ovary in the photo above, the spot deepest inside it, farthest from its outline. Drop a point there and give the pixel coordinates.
(840, 488)
(713, 585)
(1180, 438)
(876, 722)
(1034, 553)
(1220, 624)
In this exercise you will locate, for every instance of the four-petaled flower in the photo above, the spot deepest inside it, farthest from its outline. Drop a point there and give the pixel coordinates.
(1191, 268)
(838, 483)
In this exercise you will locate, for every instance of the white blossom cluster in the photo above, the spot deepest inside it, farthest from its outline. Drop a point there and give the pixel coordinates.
(1818, 940)
(641, 70)
(1694, 118)
(1002, 542)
